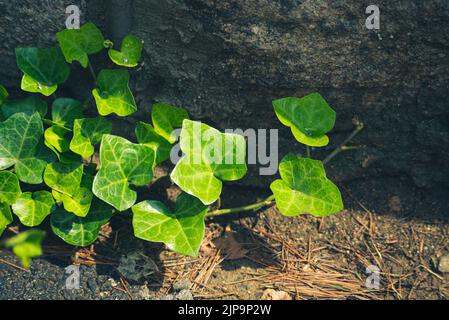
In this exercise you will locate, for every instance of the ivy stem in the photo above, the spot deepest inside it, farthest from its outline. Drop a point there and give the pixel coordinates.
(308, 151)
(268, 201)
(343, 146)
(92, 72)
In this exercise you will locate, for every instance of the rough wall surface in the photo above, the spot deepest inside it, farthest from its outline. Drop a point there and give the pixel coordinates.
(226, 60)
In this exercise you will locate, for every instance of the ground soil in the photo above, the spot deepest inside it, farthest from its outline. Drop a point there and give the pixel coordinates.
(244, 255)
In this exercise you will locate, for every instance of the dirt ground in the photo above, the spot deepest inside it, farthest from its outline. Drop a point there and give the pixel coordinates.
(251, 256)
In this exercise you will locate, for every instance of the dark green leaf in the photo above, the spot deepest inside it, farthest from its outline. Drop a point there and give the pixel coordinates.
(65, 111)
(87, 133)
(3, 94)
(9, 187)
(28, 106)
(5, 217)
(146, 135)
(166, 119)
(33, 208)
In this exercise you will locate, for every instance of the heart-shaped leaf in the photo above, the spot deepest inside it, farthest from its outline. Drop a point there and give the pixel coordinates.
(210, 157)
(146, 135)
(87, 133)
(46, 66)
(182, 231)
(28, 106)
(166, 119)
(113, 95)
(3, 94)
(21, 146)
(28, 84)
(78, 231)
(129, 55)
(33, 208)
(65, 111)
(304, 188)
(5, 217)
(65, 179)
(55, 138)
(122, 164)
(78, 44)
(9, 187)
(27, 245)
(310, 118)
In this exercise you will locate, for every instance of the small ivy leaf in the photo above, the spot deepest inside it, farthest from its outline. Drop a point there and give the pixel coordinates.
(166, 119)
(78, 44)
(304, 188)
(122, 164)
(182, 231)
(55, 138)
(9, 187)
(210, 157)
(65, 111)
(129, 56)
(28, 84)
(45, 66)
(146, 135)
(5, 217)
(28, 106)
(33, 208)
(113, 95)
(87, 133)
(27, 245)
(3, 94)
(310, 118)
(78, 231)
(21, 146)
(66, 182)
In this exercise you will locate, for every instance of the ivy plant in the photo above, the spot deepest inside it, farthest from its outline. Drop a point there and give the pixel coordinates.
(48, 146)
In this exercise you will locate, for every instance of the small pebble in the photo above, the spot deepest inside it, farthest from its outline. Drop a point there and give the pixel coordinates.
(443, 265)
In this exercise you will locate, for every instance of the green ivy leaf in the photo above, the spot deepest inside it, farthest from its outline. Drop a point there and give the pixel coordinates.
(65, 179)
(166, 119)
(33, 208)
(27, 245)
(146, 135)
(55, 138)
(87, 133)
(201, 171)
(310, 118)
(45, 66)
(304, 188)
(65, 111)
(28, 106)
(9, 187)
(21, 146)
(30, 85)
(5, 217)
(3, 94)
(182, 231)
(78, 231)
(129, 55)
(113, 95)
(77, 45)
(122, 164)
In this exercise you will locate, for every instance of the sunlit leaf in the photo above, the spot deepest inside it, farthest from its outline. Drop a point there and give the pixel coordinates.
(130, 52)
(304, 188)
(210, 157)
(78, 44)
(182, 230)
(28, 84)
(87, 133)
(113, 94)
(27, 245)
(28, 106)
(78, 231)
(56, 137)
(146, 135)
(33, 208)
(45, 66)
(9, 187)
(310, 118)
(21, 145)
(166, 119)
(122, 164)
